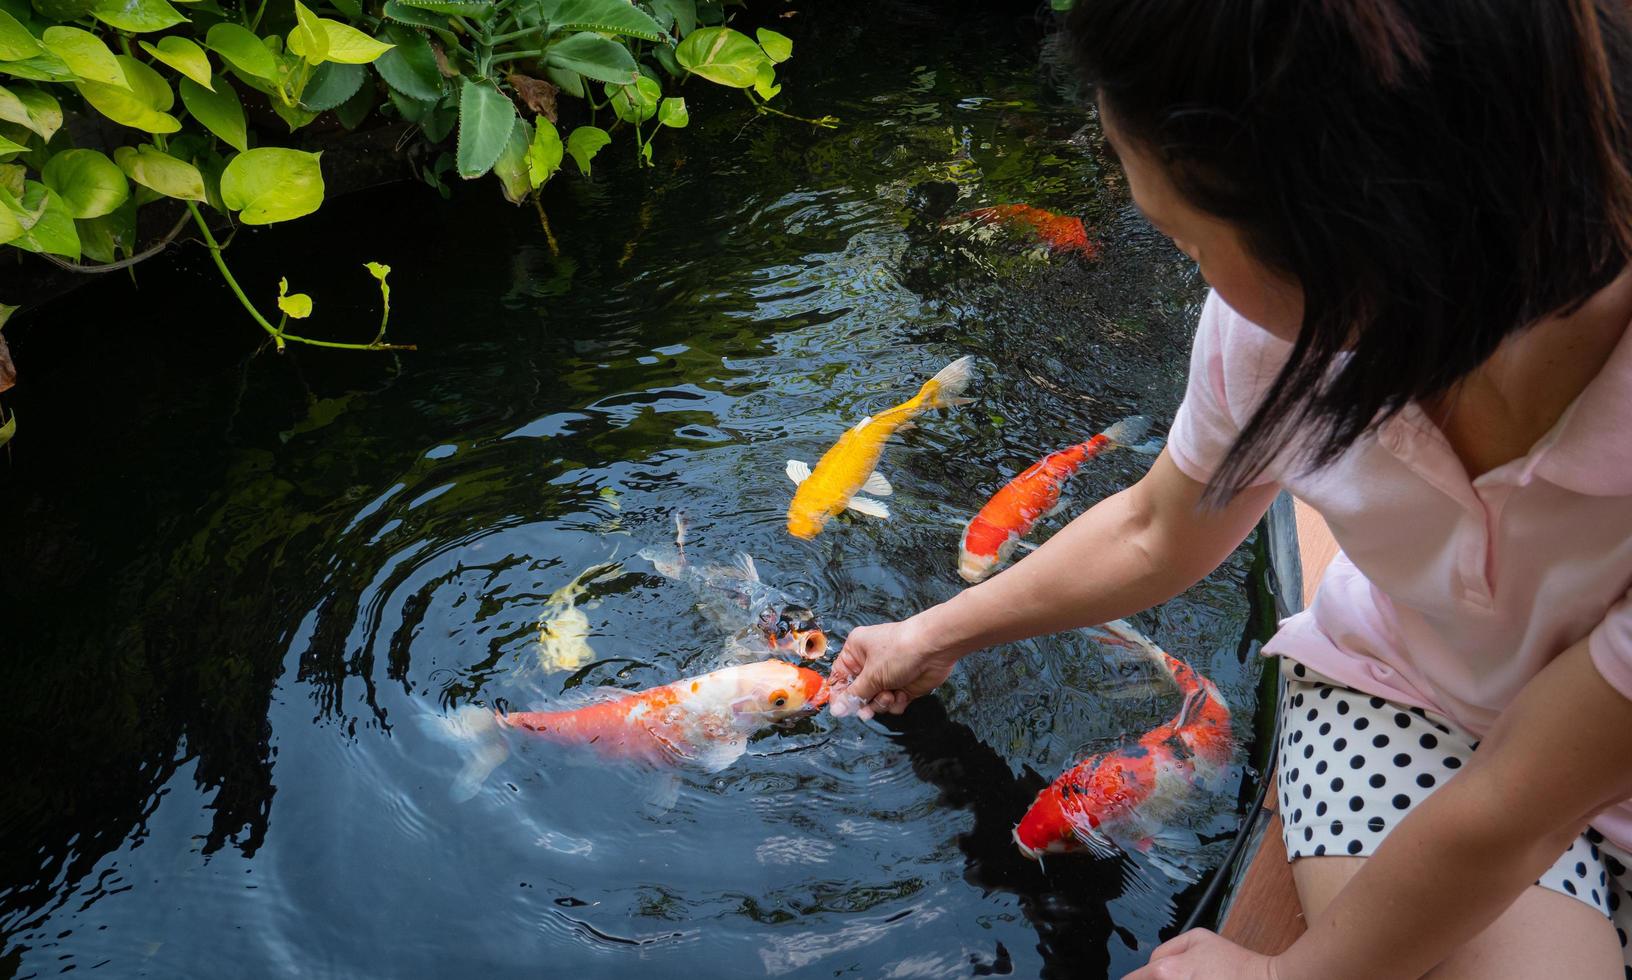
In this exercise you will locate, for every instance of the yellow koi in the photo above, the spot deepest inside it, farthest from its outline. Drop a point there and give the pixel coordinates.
(851, 466)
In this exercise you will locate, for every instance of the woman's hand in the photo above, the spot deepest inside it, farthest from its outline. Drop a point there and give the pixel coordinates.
(1204, 955)
(884, 667)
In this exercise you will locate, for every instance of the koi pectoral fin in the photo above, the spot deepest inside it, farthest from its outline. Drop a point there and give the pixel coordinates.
(1094, 841)
(798, 471)
(870, 507)
(877, 485)
(474, 734)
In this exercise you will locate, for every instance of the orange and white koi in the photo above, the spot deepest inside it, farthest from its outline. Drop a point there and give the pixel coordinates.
(1061, 233)
(704, 720)
(851, 465)
(992, 534)
(1122, 796)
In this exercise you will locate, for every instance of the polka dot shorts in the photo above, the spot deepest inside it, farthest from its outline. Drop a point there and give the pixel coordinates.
(1350, 766)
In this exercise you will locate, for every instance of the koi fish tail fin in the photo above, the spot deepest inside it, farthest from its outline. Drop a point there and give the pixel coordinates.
(1130, 433)
(945, 390)
(473, 732)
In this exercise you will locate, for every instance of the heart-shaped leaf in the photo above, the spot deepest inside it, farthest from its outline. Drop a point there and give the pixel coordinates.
(584, 143)
(349, 46)
(544, 153)
(137, 16)
(721, 55)
(635, 103)
(672, 112)
(88, 182)
(156, 170)
(32, 109)
(218, 111)
(297, 306)
(184, 56)
(84, 54)
(242, 50)
(308, 39)
(16, 43)
(272, 183)
(46, 67)
(511, 166)
(39, 221)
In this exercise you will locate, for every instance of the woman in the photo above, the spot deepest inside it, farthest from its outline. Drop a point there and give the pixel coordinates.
(1416, 217)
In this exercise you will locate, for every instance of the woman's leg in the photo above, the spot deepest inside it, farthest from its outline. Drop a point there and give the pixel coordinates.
(1544, 933)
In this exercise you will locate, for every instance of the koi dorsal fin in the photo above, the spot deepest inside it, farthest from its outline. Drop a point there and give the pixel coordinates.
(1194, 702)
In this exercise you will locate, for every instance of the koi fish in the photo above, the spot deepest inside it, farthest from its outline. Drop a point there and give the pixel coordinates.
(563, 629)
(733, 593)
(992, 534)
(850, 467)
(705, 719)
(1124, 794)
(1061, 233)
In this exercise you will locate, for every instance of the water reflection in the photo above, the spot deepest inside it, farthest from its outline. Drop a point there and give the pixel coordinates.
(231, 587)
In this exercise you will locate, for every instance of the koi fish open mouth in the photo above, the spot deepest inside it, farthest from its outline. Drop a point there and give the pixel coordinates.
(798, 630)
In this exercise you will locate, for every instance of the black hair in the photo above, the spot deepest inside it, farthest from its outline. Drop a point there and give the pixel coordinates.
(1435, 174)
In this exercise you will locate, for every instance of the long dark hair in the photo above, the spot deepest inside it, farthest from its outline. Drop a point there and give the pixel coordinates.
(1436, 174)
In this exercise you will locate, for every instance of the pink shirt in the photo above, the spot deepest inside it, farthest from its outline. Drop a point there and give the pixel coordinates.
(1448, 594)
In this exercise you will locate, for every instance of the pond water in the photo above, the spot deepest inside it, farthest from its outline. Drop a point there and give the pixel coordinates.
(235, 584)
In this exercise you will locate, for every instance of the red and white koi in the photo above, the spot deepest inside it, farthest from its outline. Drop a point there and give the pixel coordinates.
(1122, 797)
(992, 534)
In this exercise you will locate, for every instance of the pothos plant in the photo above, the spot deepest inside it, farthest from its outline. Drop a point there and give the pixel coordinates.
(91, 129)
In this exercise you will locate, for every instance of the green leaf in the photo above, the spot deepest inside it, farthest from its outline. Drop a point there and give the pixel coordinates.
(486, 117)
(218, 111)
(569, 82)
(544, 153)
(352, 9)
(272, 183)
(88, 182)
(184, 56)
(8, 430)
(721, 55)
(41, 220)
(349, 46)
(44, 68)
(11, 177)
(511, 166)
(438, 120)
(146, 84)
(765, 81)
(395, 10)
(410, 65)
(156, 170)
(584, 143)
(84, 54)
(127, 108)
(32, 109)
(297, 306)
(635, 103)
(308, 39)
(9, 146)
(463, 8)
(16, 43)
(594, 56)
(672, 112)
(777, 47)
(665, 59)
(682, 12)
(137, 16)
(605, 16)
(332, 84)
(242, 50)
(357, 108)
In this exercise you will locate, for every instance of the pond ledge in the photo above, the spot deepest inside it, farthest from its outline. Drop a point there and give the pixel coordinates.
(1261, 910)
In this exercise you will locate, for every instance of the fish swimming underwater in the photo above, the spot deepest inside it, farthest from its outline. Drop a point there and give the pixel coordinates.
(1059, 232)
(705, 719)
(563, 629)
(1123, 796)
(735, 597)
(851, 466)
(992, 534)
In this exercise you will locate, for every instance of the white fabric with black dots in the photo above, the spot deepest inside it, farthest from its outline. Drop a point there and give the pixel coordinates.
(1350, 766)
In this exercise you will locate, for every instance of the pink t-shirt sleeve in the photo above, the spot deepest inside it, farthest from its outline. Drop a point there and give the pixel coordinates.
(1231, 365)
(1610, 646)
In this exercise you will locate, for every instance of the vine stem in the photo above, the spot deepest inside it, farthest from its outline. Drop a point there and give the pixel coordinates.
(825, 122)
(278, 336)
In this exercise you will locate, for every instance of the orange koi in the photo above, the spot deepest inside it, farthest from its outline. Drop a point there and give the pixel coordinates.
(705, 719)
(1123, 795)
(992, 534)
(1061, 233)
(851, 466)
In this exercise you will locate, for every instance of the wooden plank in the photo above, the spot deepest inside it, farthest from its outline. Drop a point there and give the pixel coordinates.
(1316, 547)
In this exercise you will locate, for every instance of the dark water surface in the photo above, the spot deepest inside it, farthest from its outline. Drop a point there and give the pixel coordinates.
(235, 583)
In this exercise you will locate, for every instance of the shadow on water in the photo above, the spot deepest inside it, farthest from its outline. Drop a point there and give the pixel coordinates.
(234, 583)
